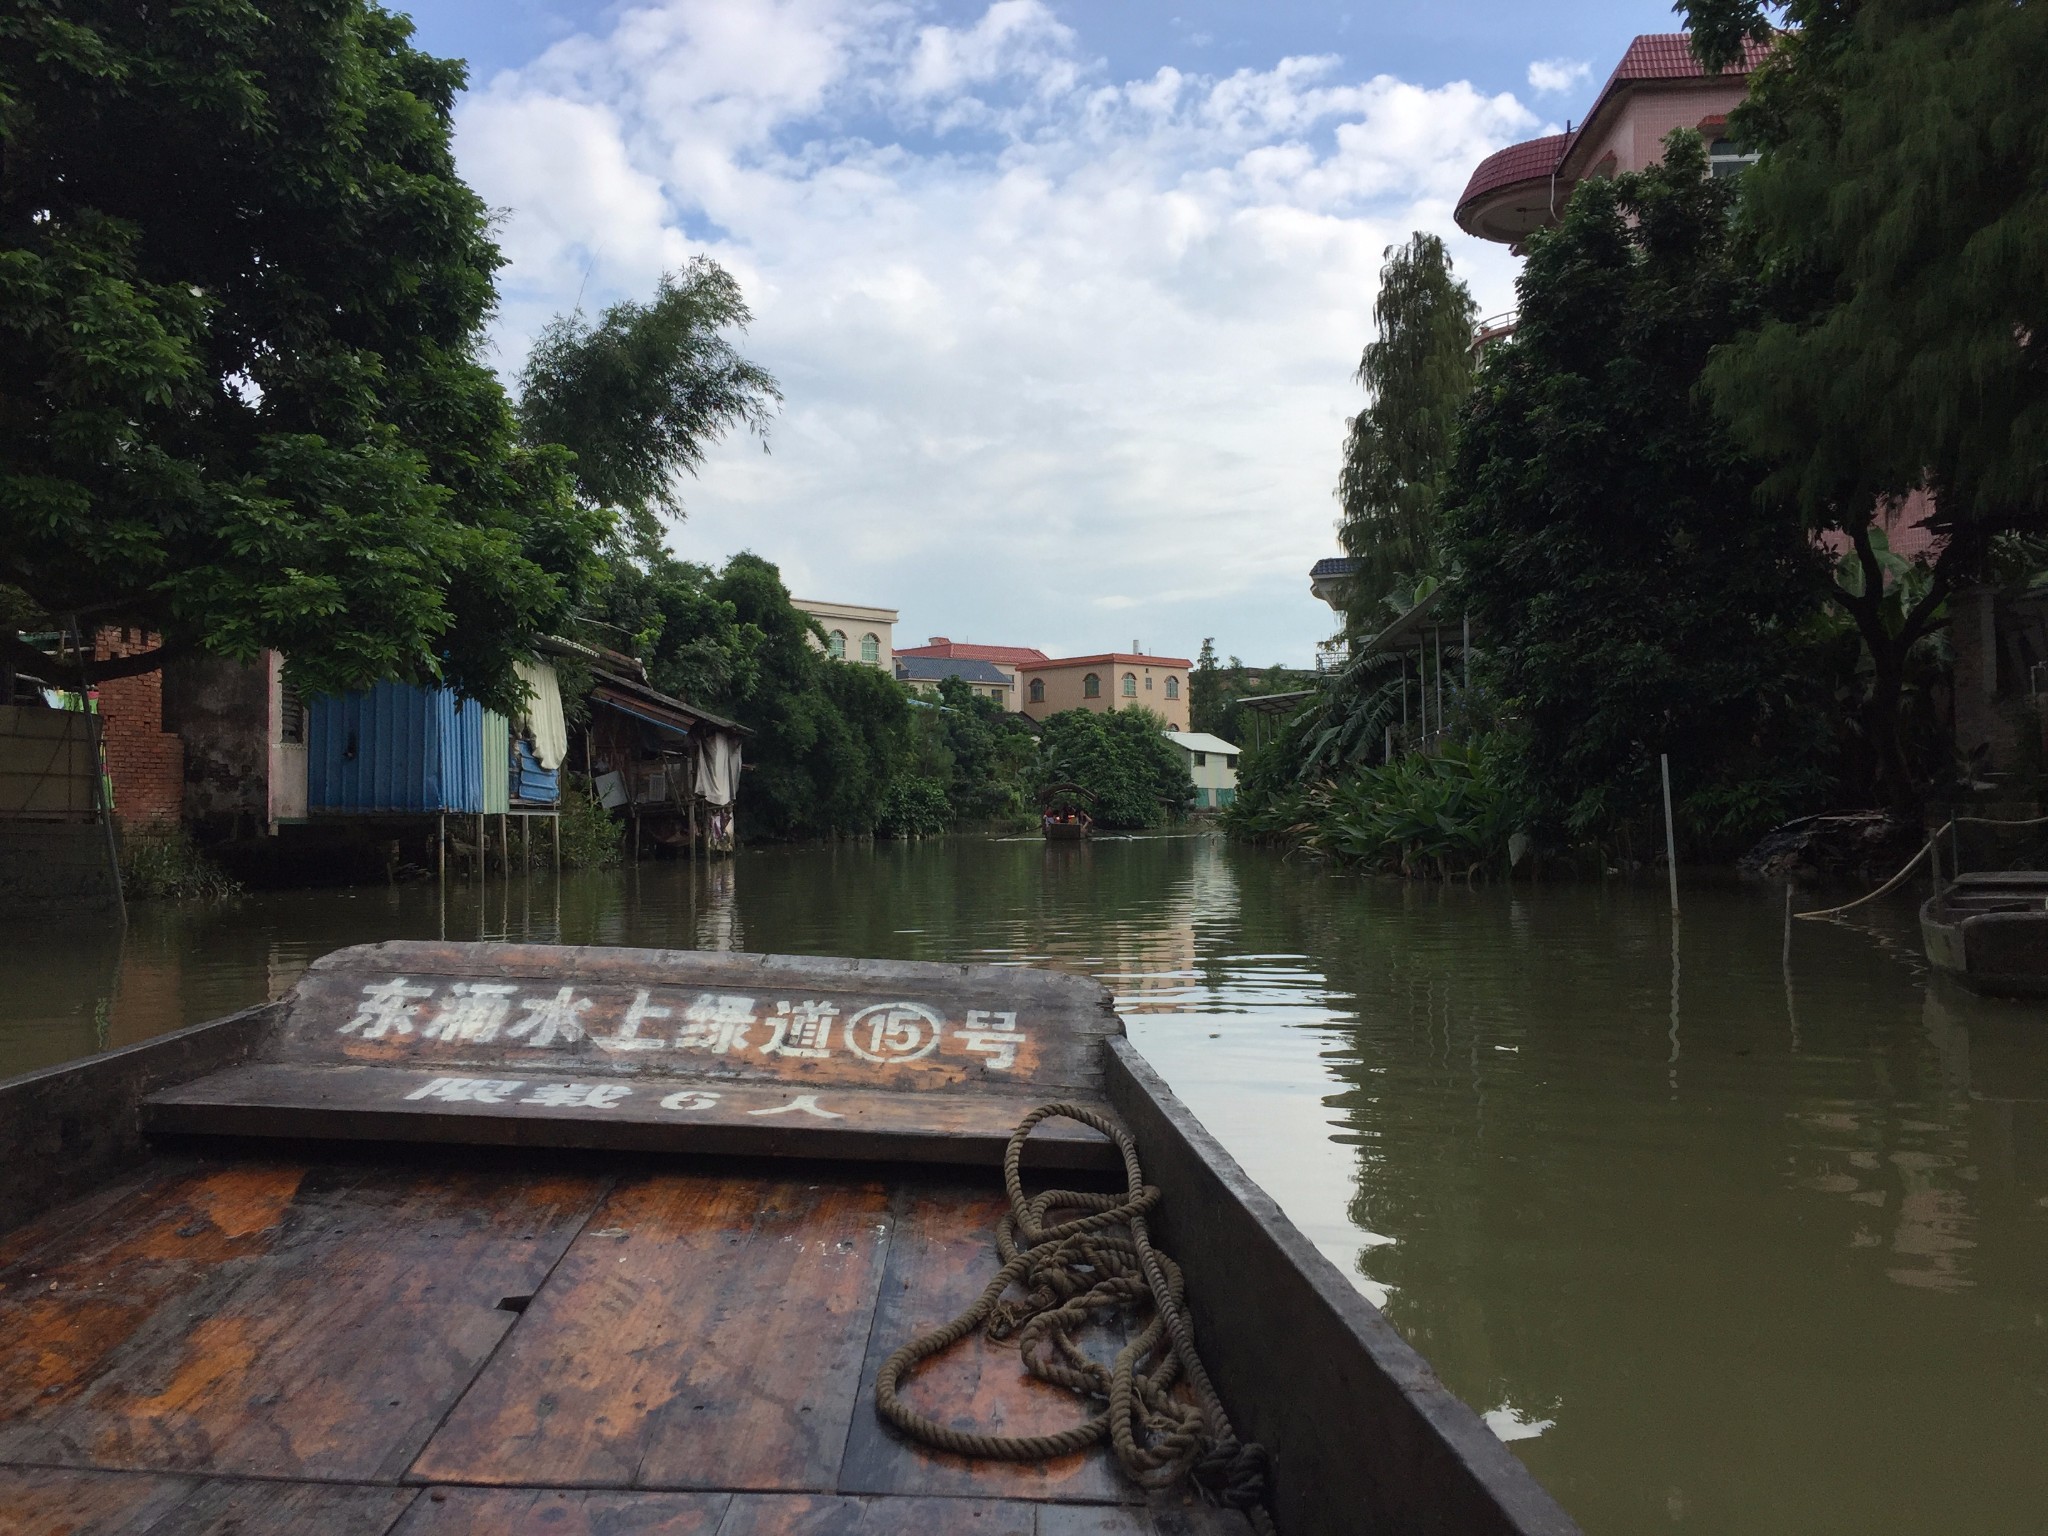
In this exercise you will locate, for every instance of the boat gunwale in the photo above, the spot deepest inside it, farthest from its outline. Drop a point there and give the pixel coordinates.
(67, 1128)
(1288, 1338)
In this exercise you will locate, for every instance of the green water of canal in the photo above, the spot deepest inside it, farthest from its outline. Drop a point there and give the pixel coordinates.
(1724, 1238)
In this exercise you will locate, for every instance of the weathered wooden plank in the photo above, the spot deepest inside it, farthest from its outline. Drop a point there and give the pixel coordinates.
(666, 1114)
(225, 1507)
(562, 1512)
(841, 1515)
(46, 1501)
(942, 1254)
(64, 1130)
(1364, 1434)
(704, 1333)
(1161, 1519)
(269, 1319)
(570, 1012)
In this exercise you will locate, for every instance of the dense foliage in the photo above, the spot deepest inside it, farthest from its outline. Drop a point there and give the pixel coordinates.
(1137, 777)
(1897, 221)
(829, 736)
(1418, 371)
(638, 396)
(1636, 595)
(1217, 688)
(981, 756)
(241, 299)
(1454, 813)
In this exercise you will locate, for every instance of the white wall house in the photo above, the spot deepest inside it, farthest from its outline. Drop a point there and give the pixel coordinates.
(1212, 762)
(854, 632)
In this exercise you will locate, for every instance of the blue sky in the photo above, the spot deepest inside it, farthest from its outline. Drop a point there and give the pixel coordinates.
(1064, 298)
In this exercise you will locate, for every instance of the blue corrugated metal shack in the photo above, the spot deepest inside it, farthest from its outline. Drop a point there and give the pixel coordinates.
(401, 748)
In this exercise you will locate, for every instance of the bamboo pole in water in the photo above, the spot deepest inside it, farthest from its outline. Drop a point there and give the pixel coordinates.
(1670, 834)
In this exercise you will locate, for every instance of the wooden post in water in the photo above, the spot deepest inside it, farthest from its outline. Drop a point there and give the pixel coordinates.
(557, 819)
(102, 801)
(1670, 834)
(441, 849)
(1438, 635)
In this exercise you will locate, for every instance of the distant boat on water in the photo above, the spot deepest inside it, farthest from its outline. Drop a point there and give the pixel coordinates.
(1064, 813)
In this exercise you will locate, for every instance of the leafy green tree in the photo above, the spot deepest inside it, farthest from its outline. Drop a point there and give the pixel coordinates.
(1418, 371)
(1205, 691)
(640, 395)
(1897, 219)
(241, 299)
(988, 754)
(829, 736)
(1216, 689)
(1123, 759)
(1635, 595)
(663, 610)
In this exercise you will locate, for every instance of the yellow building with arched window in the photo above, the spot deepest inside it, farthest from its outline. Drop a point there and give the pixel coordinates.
(854, 632)
(1112, 681)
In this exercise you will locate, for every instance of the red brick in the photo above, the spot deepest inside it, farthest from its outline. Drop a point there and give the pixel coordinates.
(146, 762)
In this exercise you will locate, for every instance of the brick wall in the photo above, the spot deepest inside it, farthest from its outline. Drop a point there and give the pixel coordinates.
(146, 762)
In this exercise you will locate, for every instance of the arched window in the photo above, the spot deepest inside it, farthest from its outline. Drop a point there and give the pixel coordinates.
(870, 649)
(1038, 690)
(1091, 687)
(1173, 687)
(835, 644)
(1130, 685)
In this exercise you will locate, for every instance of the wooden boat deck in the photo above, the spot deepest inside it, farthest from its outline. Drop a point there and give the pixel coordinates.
(517, 1239)
(357, 1346)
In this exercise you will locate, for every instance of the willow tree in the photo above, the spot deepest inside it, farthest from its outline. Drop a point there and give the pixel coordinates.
(242, 293)
(1417, 371)
(1897, 219)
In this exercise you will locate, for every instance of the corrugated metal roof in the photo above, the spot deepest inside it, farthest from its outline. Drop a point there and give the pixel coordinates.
(1202, 741)
(1013, 655)
(936, 669)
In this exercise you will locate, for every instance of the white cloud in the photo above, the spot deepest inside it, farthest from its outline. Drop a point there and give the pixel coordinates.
(1552, 77)
(1061, 352)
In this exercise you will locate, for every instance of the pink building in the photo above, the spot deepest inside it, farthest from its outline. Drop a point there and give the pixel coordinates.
(1657, 86)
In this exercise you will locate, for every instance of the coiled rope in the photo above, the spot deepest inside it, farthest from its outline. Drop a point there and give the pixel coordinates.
(1070, 1269)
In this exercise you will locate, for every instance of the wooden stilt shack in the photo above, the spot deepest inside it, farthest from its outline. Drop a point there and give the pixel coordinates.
(425, 768)
(668, 767)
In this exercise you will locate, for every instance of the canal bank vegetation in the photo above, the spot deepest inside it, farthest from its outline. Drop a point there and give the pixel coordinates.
(1666, 505)
(1123, 759)
(160, 862)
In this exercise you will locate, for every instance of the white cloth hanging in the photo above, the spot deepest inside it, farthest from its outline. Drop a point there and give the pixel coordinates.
(718, 769)
(544, 714)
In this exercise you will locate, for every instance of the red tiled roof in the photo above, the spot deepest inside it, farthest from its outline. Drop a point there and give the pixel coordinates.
(1653, 56)
(1113, 659)
(1668, 56)
(947, 650)
(1530, 160)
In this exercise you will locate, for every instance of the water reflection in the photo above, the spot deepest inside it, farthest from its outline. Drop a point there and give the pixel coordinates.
(1728, 1228)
